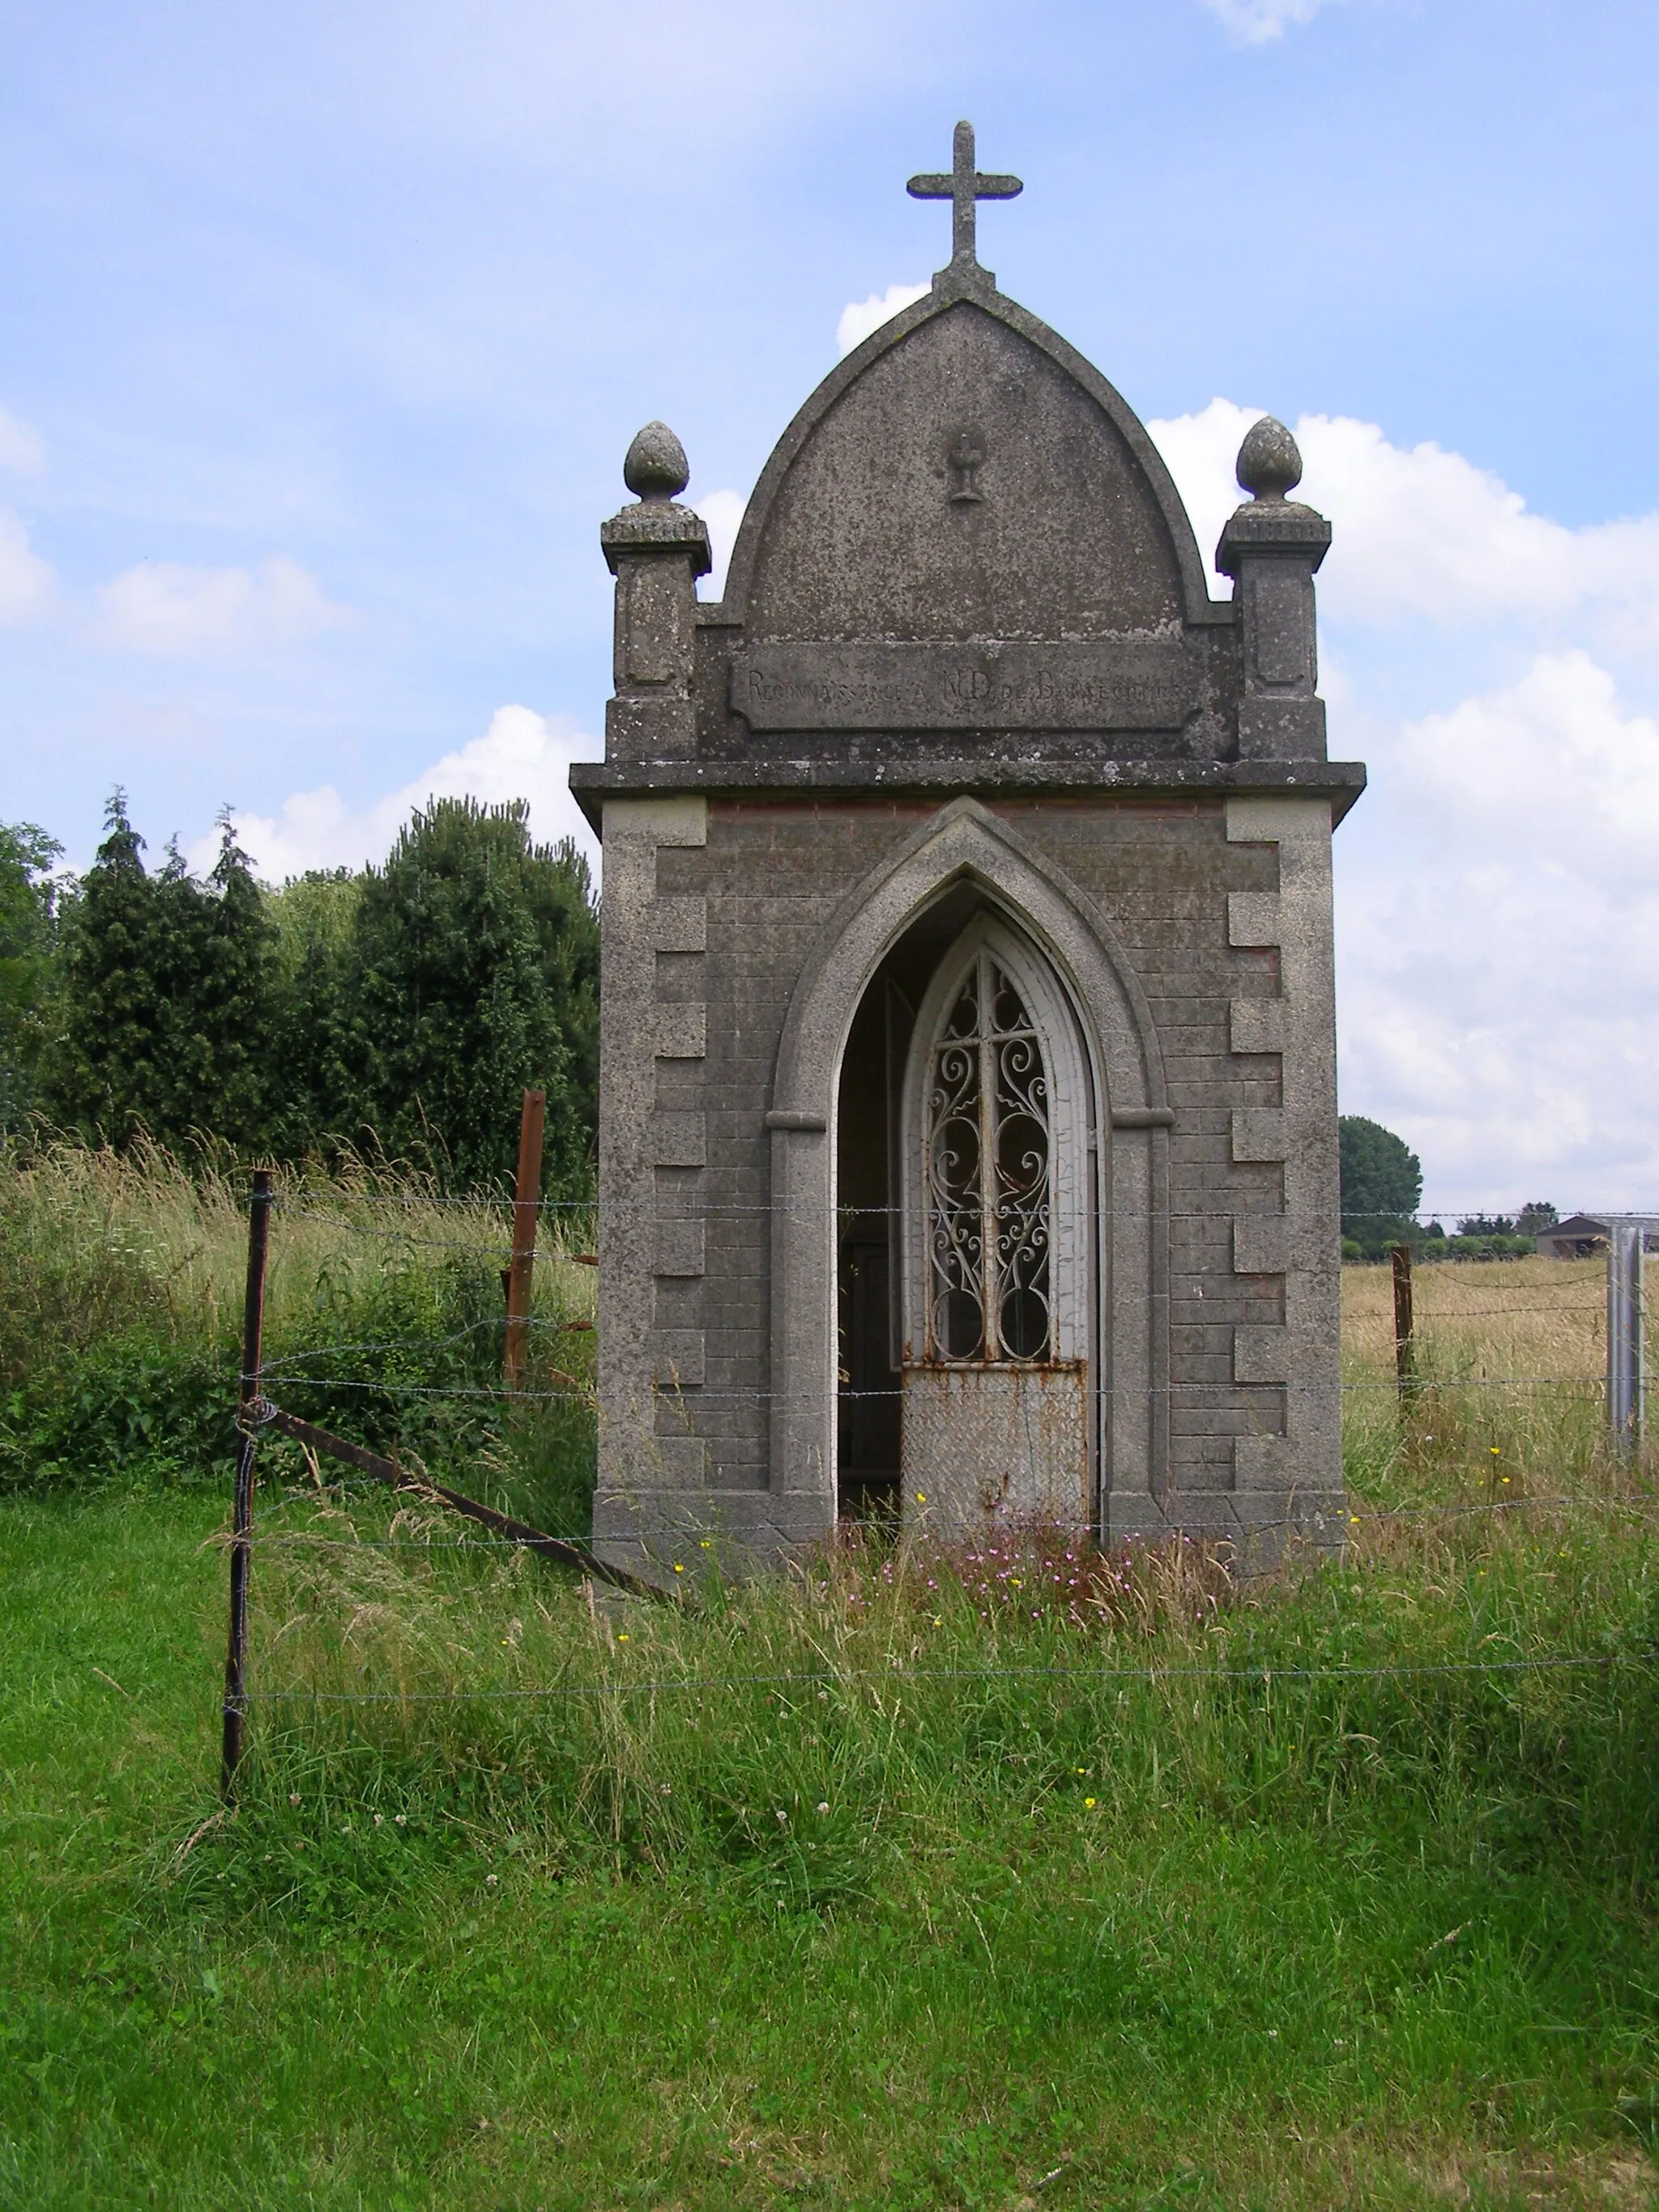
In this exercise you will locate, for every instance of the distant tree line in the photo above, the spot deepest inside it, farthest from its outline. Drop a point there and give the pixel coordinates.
(1382, 1188)
(399, 1011)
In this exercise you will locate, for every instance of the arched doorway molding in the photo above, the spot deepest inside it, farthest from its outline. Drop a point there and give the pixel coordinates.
(966, 843)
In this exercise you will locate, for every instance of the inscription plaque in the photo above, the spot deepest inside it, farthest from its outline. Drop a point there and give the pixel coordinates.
(1135, 684)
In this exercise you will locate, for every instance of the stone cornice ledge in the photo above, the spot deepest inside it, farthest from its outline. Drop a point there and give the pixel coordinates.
(591, 782)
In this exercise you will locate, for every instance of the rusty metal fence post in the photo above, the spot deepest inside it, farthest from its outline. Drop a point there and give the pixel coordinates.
(526, 1211)
(253, 1324)
(1404, 1351)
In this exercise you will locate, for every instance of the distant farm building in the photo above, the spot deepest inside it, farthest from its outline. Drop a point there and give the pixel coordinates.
(1581, 1237)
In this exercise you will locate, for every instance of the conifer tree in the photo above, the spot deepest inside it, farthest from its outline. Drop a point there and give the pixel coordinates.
(170, 1006)
(104, 1060)
(236, 1039)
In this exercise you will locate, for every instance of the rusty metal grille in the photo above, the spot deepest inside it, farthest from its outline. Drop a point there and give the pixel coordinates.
(989, 1178)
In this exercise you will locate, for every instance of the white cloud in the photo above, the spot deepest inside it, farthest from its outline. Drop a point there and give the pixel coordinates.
(161, 607)
(1499, 920)
(20, 447)
(1421, 532)
(522, 755)
(1253, 22)
(26, 580)
(723, 511)
(1498, 936)
(860, 317)
(1555, 747)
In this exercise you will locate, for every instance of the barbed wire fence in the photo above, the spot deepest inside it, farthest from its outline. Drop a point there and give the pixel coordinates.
(494, 1228)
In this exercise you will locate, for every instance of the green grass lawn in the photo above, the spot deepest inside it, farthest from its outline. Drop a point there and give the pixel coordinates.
(1053, 1940)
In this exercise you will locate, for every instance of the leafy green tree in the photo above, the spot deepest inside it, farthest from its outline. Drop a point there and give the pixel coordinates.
(476, 953)
(28, 935)
(170, 1006)
(1381, 1182)
(1537, 1215)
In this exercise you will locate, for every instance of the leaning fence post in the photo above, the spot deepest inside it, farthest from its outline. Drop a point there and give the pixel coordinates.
(527, 1208)
(1404, 1354)
(253, 1326)
(1626, 1393)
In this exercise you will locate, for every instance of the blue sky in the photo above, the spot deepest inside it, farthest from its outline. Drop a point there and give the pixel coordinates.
(323, 331)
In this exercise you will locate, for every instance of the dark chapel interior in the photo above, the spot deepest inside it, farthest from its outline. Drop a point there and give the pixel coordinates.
(870, 1197)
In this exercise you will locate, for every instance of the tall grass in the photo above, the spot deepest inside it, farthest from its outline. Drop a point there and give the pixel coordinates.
(1366, 1849)
(1510, 1364)
(908, 1878)
(1362, 1948)
(1487, 1525)
(121, 1285)
(1491, 1676)
(648, 1734)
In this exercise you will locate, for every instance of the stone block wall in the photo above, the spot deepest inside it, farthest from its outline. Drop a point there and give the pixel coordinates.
(713, 907)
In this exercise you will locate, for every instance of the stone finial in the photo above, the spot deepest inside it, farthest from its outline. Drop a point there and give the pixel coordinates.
(1271, 548)
(1269, 460)
(656, 549)
(656, 467)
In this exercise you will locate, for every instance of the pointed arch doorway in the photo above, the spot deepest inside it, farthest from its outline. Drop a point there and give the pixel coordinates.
(967, 1258)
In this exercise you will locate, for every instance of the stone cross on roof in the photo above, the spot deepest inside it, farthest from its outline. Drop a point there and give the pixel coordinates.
(963, 188)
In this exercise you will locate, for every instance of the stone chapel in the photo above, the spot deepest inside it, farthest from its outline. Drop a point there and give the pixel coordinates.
(967, 1110)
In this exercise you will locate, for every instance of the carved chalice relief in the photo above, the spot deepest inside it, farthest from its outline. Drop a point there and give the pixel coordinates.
(964, 457)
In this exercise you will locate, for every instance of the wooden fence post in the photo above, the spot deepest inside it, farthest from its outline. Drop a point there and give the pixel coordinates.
(1404, 1356)
(526, 1210)
(241, 1547)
